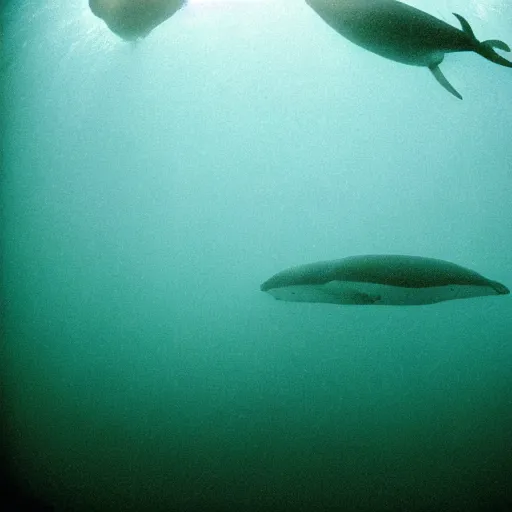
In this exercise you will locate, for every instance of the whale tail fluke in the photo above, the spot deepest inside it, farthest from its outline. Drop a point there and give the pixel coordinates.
(486, 48)
(496, 43)
(466, 27)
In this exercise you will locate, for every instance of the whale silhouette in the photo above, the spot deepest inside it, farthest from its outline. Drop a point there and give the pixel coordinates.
(405, 34)
(391, 280)
(134, 19)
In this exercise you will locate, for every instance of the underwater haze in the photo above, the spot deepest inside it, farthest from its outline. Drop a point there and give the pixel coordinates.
(149, 188)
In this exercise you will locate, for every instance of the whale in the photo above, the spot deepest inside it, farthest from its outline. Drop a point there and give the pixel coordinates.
(405, 34)
(380, 279)
(134, 19)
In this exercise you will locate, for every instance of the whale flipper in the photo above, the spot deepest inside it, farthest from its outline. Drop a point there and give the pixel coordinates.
(438, 75)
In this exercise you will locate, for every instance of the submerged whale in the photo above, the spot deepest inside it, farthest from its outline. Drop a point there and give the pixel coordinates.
(405, 34)
(134, 19)
(390, 280)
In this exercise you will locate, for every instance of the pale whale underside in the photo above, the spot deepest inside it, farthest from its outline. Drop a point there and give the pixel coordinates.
(391, 280)
(405, 34)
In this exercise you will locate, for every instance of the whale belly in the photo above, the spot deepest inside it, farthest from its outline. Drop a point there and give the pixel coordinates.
(362, 293)
(413, 56)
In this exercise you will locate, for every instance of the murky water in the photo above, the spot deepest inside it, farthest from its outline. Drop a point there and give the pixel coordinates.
(148, 190)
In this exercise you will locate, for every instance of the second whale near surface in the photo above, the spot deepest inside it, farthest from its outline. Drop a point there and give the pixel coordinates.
(405, 34)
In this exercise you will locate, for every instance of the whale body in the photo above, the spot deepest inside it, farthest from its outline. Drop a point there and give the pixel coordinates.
(134, 19)
(405, 34)
(392, 280)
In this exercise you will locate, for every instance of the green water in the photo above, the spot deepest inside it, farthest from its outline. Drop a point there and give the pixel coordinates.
(147, 190)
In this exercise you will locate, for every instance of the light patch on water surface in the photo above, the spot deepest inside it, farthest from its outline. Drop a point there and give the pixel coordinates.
(213, 2)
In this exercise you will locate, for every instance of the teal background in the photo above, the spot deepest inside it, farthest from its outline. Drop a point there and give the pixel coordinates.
(148, 189)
